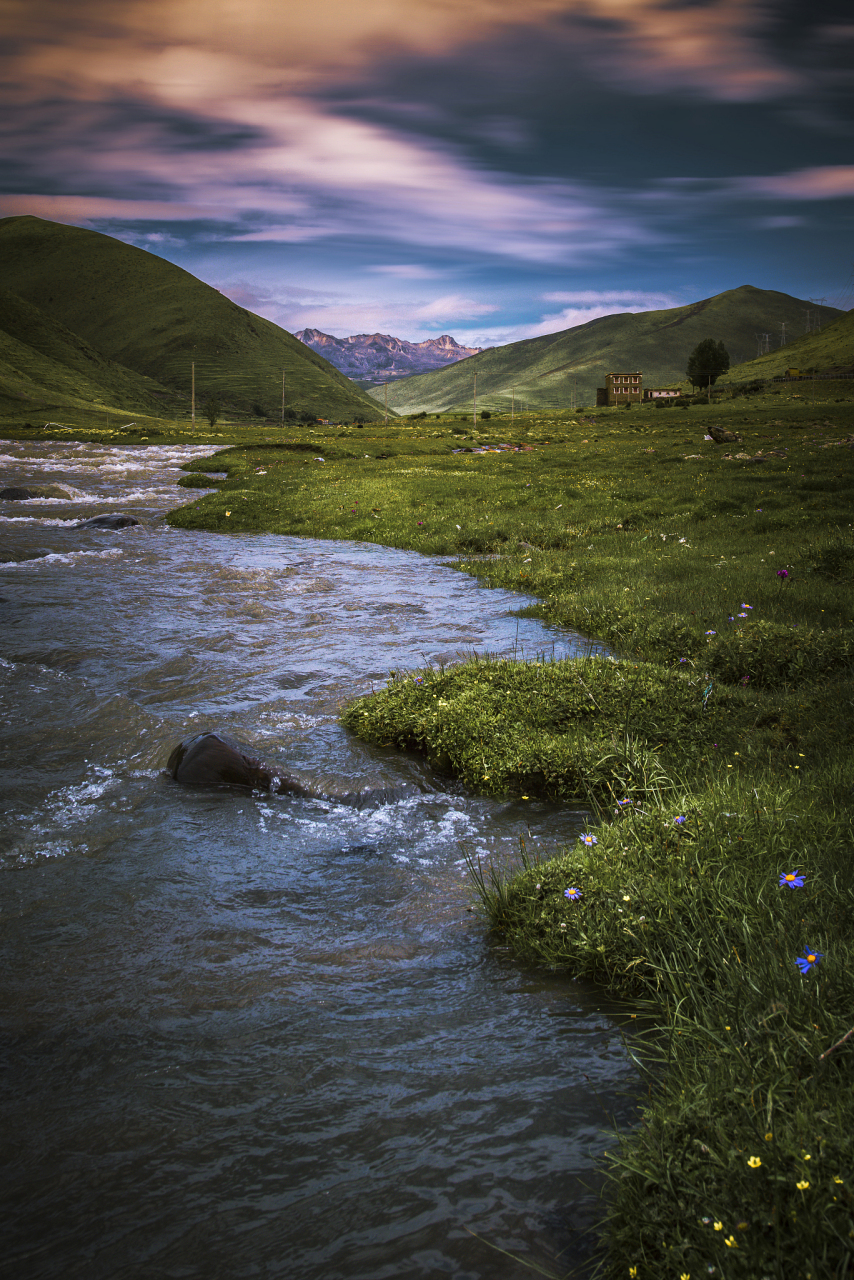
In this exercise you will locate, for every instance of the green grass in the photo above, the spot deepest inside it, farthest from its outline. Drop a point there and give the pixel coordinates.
(139, 311)
(632, 529)
(547, 370)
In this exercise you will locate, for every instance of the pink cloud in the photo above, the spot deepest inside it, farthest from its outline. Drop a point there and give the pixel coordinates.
(828, 182)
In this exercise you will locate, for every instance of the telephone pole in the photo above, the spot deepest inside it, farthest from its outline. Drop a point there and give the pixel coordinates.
(783, 329)
(474, 411)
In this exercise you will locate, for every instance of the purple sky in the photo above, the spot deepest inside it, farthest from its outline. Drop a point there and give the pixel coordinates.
(488, 169)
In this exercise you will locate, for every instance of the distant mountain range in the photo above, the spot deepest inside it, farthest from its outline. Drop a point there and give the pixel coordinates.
(372, 359)
(87, 320)
(553, 370)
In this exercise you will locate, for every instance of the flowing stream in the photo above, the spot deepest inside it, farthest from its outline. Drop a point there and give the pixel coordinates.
(264, 1035)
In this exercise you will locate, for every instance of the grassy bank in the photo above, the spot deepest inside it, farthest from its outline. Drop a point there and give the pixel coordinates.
(716, 879)
(715, 759)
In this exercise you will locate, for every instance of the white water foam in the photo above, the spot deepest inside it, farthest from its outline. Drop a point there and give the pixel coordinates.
(55, 558)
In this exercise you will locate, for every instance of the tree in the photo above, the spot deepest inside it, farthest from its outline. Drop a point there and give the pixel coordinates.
(707, 362)
(211, 409)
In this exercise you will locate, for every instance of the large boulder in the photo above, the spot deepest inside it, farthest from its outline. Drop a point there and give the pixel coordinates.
(107, 522)
(215, 759)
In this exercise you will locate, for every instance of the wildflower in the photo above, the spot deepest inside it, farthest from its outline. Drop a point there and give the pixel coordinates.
(622, 803)
(419, 523)
(419, 679)
(731, 1242)
(719, 1226)
(588, 839)
(802, 1186)
(746, 606)
(742, 615)
(835, 1179)
(793, 879)
(711, 633)
(783, 573)
(745, 680)
(626, 898)
(633, 1271)
(563, 926)
(683, 659)
(769, 1137)
(678, 821)
(754, 1162)
(573, 894)
(808, 961)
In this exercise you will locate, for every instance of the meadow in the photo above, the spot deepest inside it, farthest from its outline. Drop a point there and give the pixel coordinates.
(708, 733)
(715, 882)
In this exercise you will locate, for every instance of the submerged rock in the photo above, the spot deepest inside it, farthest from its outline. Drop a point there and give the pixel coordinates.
(19, 493)
(15, 494)
(215, 759)
(107, 522)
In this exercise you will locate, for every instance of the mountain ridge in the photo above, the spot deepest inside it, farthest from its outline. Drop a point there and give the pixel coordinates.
(376, 358)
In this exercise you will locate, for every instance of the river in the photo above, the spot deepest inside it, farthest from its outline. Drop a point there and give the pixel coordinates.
(264, 1035)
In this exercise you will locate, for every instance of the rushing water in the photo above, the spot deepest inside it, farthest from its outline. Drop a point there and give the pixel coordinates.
(253, 1035)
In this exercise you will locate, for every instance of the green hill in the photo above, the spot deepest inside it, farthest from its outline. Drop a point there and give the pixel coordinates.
(830, 349)
(546, 371)
(44, 363)
(137, 310)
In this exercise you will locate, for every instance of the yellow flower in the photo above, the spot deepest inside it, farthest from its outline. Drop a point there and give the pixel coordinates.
(835, 1179)
(768, 1137)
(686, 1275)
(802, 1186)
(719, 1226)
(806, 1157)
(731, 1242)
(633, 1271)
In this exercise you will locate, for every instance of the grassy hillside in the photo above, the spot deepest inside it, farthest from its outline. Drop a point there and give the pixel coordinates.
(156, 319)
(545, 371)
(831, 348)
(44, 365)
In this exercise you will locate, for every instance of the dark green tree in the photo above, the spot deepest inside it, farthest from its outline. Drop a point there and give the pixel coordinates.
(707, 362)
(211, 409)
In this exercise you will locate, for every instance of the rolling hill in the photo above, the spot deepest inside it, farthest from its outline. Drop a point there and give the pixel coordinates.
(133, 309)
(546, 371)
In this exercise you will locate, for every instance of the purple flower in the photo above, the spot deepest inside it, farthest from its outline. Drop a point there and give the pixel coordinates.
(782, 573)
(742, 615)
(683, 659)
(793, 879)
(588, 839)
(419, 522)
(711, 633)
(809, 960)
(746, 606)
(678, 821)
(572, 894)
(745, 680)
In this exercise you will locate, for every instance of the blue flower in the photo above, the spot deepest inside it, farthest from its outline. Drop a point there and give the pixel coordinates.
(588, 839)
(793, 879)
(623, 803)
(741, 615)
(809, 961)
(711, 633)
(572, 894)
(746, 606)
(678, 821)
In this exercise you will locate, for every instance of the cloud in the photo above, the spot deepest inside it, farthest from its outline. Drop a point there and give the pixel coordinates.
(827, 182)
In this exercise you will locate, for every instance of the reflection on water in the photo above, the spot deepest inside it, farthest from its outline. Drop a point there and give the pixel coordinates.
(263, 1035)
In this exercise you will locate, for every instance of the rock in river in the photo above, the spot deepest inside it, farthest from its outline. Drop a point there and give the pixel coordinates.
(107, 522)
(218, 760)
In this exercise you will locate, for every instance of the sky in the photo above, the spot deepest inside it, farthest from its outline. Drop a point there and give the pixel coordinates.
(491, 169)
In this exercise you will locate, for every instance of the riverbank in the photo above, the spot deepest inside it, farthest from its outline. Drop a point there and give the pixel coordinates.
(715, 760)
(716, 877)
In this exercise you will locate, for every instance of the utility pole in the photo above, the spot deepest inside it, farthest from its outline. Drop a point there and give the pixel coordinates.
(512, 405)
(807, 313)
(193, 392)
(819, 302)
(474, 410)
(783, 329)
